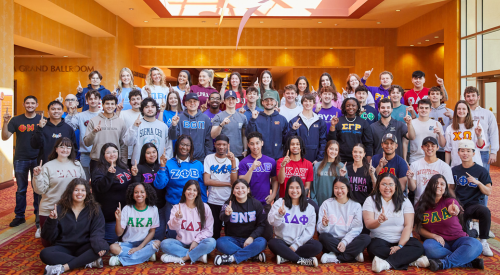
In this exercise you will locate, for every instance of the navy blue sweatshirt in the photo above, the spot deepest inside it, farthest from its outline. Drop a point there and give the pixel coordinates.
(314, 137)
(82, 103)
(273, 129)
(45, 138)
(247, 220)
(349, 134)
(147, 174)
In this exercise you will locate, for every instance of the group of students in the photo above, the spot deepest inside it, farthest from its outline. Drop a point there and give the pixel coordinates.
(169, 167)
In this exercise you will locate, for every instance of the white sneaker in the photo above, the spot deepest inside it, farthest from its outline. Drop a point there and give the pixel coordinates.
(39, 232)
(475, 225)
(486, 249)
(491, 235)
(329, 258)
(203, 259)
(152, 258)
(421, 262)
(114, 261)
(171, 259)
(379, 265)
(280, 259)
(308, 261)
(54, 269)
(97, 263)
(360, 258)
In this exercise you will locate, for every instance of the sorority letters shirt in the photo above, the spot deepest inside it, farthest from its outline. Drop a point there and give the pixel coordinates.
(423, 172)
(220, 170)
(361, 183)
(467, 192)
(158, 93)
(412, 98)
(438, 221)
(423, 129)
(260, 183)
(138, 222)
(302, 168)
(453, 137)
(24, 128)
(370, 114)
(396, 166)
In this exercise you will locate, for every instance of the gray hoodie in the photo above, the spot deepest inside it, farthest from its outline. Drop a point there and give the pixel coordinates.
(112, 130)
(438, 115)
(80, 121)
(346, 220)
(198, 127)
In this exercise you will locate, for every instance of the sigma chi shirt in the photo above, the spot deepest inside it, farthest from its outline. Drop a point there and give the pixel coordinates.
(138, 222)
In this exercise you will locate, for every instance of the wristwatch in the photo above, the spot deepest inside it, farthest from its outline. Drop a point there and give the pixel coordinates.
(400, 246)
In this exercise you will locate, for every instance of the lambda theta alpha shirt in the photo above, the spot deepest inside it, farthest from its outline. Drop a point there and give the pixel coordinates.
(138, 222)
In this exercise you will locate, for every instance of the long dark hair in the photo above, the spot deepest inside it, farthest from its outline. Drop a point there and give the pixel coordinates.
(261, 85)
(366, 164)
(303, 196)
(150, 194)
(178, 145)
(103, 164)
(468, 122)
(306, 91)
(428, 200)
(331, 84)
(168, 107)
(240, 87)
(231, 197)
(345, 181)
(66, 200)
(344, 112)
(332, 171)
(189, 78)
(63, 141)
(200, 206)
(289, 142)
(397, 198)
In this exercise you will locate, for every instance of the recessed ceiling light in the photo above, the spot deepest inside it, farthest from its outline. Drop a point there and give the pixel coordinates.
(65, 56)
(398, 10)
(427, 40)
(412, 45)
(145, 21)
(261, 22)
(436, 36)
(320, 22)
(154, 47)
(336, 24)
(131, 9)
(378, 22)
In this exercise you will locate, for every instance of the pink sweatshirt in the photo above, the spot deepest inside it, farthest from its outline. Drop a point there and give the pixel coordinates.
(188, 227)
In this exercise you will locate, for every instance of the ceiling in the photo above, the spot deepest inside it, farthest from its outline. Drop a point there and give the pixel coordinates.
(383, 15)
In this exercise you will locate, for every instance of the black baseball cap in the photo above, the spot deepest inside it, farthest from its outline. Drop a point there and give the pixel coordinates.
(429, 139)
(389, 136)
(192, 96)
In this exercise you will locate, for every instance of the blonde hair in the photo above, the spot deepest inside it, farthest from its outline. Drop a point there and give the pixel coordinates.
(210, 75)
(149, 78)
(120, 85)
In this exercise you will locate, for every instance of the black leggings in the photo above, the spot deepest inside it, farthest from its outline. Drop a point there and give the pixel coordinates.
(217, 222)
(352, 250)
(310, 249)
(400, 260)
(73, 256)
(483, 214)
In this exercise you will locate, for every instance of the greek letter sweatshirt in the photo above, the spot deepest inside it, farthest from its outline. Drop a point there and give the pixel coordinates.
(247, 220)
(349, 134)
(147, 174)
(155, 132)
(80, 121)
(188, 227)
(345, 220)
(112, 130)
(295, 227)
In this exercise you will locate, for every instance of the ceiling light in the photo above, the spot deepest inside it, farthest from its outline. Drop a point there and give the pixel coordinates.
(427, 40)
(320, 22)
(261, 22)
(65, 56)
(131, 9)
(398, 10)
(145, 21)
(285, 48)
(336, 24)
(436, 36)
(378, 22)
(412, 45)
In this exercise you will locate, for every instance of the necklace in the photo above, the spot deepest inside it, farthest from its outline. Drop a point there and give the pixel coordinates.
(349, 120)
(152, 168)
(224, 160)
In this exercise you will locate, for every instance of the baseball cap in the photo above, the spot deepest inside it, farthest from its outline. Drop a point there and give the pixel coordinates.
(267, 95)
(429, 139)
(389, 136)
(466, 144)
(192, 96)
(229, 94)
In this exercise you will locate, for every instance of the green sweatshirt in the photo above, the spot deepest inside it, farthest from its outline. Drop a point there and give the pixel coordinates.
(322, 186)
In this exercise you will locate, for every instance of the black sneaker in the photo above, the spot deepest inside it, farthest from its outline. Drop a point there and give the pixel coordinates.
(16, 222)
(435, 265)
(261, 257)
(478, 263)
(223, 259)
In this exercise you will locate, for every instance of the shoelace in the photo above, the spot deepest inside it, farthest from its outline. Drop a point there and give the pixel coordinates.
(306, 261)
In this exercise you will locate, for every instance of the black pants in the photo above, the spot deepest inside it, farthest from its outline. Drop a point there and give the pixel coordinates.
(308, 250)
(217, 222)
(352, 250)
(316, 207)
(73, 256)
(268, 229)
(483, 214)
(400, 260)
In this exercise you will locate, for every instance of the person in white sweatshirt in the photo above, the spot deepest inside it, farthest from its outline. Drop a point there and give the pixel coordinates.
(156, 87)
(293, 219)
(51, 179)
(193, 221)
(340, 224)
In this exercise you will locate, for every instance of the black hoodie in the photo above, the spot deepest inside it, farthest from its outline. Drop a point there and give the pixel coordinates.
(45, 138)
(147, 174)
(247, 220)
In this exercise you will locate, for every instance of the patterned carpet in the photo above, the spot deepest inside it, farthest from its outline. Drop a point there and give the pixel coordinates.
(20, 252)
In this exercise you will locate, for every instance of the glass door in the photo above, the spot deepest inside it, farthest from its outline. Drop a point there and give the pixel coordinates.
(490, 99)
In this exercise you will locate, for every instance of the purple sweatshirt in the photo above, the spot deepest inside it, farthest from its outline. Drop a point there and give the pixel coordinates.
(378, 93)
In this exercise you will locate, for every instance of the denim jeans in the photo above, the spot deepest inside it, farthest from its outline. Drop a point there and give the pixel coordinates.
(22, 168)
(457, 253)
(234, 246)
(485, 157)
(176, 248)
(110, 233)
(137, 257)
(171, 234)
(85, 162)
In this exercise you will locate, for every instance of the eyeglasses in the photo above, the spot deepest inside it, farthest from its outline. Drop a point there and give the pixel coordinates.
(64, 147)
(184, 145)
(391, 185)
(70, 99)
(111, 152)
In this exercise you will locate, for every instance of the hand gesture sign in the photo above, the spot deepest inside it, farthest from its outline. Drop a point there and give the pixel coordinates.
(148, 90)
(344, 93)
(228, 211)
(361, 109)
(325, 219)
(118, 212)
(372, 169)
(37, 170)
(226, 121)
(79, 88)
(60, 99)
(471, 178)
(410, 174)
(296, 125)
(439, 80)
(256, 84)
(449, 113)
(282, 210)
(119, 107)
(453, 209)
(188, 88)
(312, 90)
(178, 214)
(230, 155)
(137, 121)
(114, 90)
(318, 107)
(170, 89)
(343, 170)
(241, 110)
(383, 161)
(407, 117)
(224, 82)
(163, 105)
(478, 129)
(437, 130)
(382, 218)
(53, 213)
(163, 158)
(175, 119)
(410, 109)
(204, 107)
(367, 74)
(134, 170)
(255, 114)
(334, 121)
(6, 116)
(286, 159)
(43, 121)
(255, 164)
(98, 128)
(112, 168)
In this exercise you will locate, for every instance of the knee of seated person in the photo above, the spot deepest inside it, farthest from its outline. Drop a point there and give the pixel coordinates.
(156, 244)
(115, 248)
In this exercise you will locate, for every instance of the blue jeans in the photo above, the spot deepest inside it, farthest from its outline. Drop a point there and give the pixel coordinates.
(176, 248)
(110, 233)
(457, 253)
(137, 257)
(171, 234)
(22, 168)
(485, 157)
(85, 162)
(234, 246)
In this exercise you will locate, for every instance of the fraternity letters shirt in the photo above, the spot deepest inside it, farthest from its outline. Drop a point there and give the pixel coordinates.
(424, 171)
(412, 98)
(370, 114)
(438, 221)
(302, 168)
(260, 183)
(327, 114)
(468, 193)
(24, 128)
(396, 166)
(422, 130)
(220, 170)
(138, 222)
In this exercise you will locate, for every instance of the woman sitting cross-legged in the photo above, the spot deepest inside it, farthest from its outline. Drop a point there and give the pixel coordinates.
(438, 219)
(194, 228)
(140, 219)
(294, 219)
(244, 224)
(76, 229)
(389, 216)
(340, 225)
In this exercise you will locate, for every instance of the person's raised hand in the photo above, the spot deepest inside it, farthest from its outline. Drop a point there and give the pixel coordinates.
(325, 219)
(229, 210)
(230, 154)
(318, 107)
(448, 114)
(410, 109)
(334, 121)
(453, 209)
(226, 121)
(312, 89)
(437, 130)
(345, 94)
(6, 116)
(407, 118)
(282, 210)
(204, 107)
(256, 83)
(79, 88)
(43, 121)
(53, 213)
(383, 161)
(175, 119)
(471, 178)
(188, 88)
(112, 168)
(439, 80)
(178, 213)
(296, 125)
(410, 174)
(382, 217)
(163, 105)
(224, 82)
(60, 99)
(134, 170)
(478, 130)
(137, 121)
(163, 158)
(256, 164)
(343, 170)
(118, 212)
(241, 110)
(38, 169)
(98, 128)
(170, 89)
(148, 90)
(367, 74)
(255, 114)
(114, 90)
(119, 107)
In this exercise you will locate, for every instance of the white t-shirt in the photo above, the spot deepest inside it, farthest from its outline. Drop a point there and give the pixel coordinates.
(138, 222)
(129, 116)
(297, 101)
(391, 229)
(422, 130)
(424, 172)
(157, 93)
(220, 170)
(453, 137)
(290, 113)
